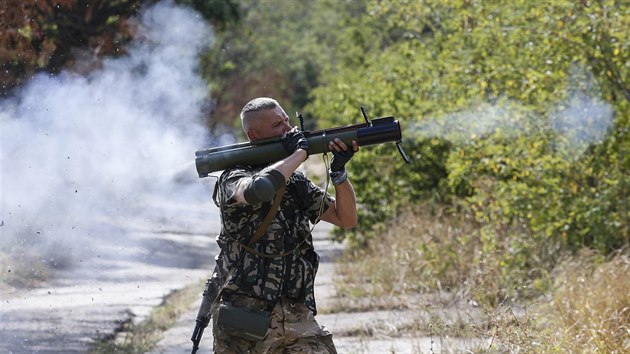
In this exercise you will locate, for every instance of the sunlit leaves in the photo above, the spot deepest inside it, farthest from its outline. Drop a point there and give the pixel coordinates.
(560, 71)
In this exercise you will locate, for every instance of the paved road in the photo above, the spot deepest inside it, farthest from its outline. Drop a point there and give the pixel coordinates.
(123, 282)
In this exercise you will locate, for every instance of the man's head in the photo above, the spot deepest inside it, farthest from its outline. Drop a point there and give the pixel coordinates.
(264, 118)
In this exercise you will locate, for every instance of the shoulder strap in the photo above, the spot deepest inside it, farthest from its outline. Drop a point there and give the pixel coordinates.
(257, 235)
(270, 215)
(263, 227)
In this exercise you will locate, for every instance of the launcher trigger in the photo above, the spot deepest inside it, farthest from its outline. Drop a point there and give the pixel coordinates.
(402, 153)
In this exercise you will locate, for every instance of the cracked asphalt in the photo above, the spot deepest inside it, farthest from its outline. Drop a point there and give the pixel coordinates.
(89, 301)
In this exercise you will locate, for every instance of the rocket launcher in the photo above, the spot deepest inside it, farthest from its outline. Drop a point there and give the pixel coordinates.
(266, 151)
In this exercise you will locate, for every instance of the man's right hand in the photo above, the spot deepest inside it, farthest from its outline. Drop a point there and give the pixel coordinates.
(294, 140)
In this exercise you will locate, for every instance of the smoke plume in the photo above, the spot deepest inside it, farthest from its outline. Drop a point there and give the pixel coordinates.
(80, 150)
(583, 119)
(580, 120)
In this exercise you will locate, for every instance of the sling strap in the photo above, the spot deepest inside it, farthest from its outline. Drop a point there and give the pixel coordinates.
(270, 215)
(263, 227)
(257, 235)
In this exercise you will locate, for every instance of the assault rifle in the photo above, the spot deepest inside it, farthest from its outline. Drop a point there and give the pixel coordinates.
(266, 151)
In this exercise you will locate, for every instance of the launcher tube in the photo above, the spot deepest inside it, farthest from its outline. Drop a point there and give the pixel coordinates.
(381, 130)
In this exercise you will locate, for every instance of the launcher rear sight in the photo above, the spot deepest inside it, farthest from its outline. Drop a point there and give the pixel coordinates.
(260, 152)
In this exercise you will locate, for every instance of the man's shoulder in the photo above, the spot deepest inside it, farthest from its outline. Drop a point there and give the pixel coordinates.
(238, 168)
(238, 171)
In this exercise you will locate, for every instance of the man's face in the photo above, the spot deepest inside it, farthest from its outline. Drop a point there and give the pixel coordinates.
(269, 123)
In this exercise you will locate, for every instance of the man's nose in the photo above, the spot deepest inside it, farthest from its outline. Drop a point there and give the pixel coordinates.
(286, 127)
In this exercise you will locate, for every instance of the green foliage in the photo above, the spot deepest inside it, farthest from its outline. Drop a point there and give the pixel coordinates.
(379, 171)
(495, 83)
(277, 49)
(220, 13)
(41, 35)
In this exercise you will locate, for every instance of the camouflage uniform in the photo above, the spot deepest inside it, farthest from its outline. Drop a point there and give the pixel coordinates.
(281, 284)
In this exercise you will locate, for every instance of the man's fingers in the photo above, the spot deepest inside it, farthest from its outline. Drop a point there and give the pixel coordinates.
(337, 145)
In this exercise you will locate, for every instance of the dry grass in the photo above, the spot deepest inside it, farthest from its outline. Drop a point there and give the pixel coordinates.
(583, 307)
(23, 269)
(426, 251)
(589, 311)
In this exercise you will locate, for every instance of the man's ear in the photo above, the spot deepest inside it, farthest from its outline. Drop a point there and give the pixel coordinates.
(251, 134)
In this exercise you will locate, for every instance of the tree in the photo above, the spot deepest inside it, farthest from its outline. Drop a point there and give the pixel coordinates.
(278, 49)
(40, 35)
(49, 35)
(517, 114)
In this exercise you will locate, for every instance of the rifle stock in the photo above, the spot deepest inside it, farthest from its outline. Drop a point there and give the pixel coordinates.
(379, 130)
(210, 294)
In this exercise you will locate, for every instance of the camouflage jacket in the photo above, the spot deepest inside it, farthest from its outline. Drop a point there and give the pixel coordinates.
(269, 278)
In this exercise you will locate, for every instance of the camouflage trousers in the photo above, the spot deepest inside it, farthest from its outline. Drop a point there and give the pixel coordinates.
(293, 329)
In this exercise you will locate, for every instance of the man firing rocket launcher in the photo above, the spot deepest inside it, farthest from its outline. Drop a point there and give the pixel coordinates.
(376, 131)
(260, 295)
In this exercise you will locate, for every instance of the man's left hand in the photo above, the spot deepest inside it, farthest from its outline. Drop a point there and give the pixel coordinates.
(341, 154)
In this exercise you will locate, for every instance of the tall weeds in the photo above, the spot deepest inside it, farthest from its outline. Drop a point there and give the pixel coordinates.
(590, 309)
(575, 303)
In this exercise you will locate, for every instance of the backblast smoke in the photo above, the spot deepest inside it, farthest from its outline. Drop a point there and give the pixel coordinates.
(82, 153)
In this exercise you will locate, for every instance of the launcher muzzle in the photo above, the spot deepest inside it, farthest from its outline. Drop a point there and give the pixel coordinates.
(262, 152)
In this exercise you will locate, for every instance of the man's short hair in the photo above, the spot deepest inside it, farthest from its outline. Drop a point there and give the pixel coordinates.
(256, 105)
(259, 104)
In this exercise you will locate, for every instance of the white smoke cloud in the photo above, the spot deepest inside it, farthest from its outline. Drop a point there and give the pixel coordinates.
(481, 120)
(582, 119)
(76, 150)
